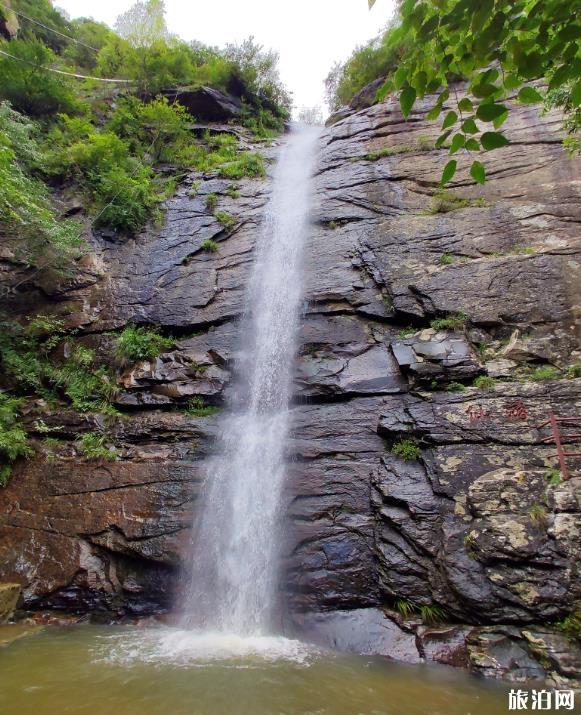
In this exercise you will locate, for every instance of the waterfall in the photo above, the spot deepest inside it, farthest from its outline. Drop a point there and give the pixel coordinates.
(235, 545)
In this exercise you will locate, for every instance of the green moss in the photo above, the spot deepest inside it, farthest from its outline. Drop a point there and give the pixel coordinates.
(406, 449)
(574, 371)
(446, 259)
(406, 332)
(209, 245)
(138, 342)
(456, 387)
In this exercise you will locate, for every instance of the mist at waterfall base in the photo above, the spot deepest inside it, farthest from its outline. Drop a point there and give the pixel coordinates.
(225, 656)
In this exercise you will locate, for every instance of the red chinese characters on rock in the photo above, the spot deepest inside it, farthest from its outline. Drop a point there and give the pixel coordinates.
(476, 412)
(515, 410)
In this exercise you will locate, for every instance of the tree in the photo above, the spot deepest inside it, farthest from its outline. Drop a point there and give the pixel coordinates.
(144, 23)
(502, 48)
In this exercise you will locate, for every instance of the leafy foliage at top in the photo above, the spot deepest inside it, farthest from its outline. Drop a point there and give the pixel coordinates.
(503, 48)
(138, 342)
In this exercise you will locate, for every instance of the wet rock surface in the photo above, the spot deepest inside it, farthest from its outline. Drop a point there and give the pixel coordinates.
(476, 530)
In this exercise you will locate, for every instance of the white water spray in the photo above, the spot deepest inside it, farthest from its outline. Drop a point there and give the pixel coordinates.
(235, 548)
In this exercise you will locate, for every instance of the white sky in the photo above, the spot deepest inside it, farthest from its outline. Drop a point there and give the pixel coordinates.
(310, 35)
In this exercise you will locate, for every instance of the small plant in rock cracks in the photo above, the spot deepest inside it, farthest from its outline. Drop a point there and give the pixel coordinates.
(553, 476)
(484, 382)
(406, 449)
(196, 407)
(538, 515)
(138, 342)
(209, 245)
(93, 446)
(454, 321)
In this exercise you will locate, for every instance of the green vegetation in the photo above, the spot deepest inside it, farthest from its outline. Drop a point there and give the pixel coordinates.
(538, 515)
(248, 164)
(501, 48)
(210, 245)
(553, 477)
(574, 371)
(211, 201)
(387, 151)
(428, 614)
(546, 372)
(484, 382)
(406, 332)
(31, 361)
(445, 201)
(233, 192)
(138, 342)
(405, 607)
(40, 238)
(107, 146)
(446, 259)
(13, 436)
(197, 408)
(226, 219)
(454, 321)
(94, 446)
(406, 449)
(571, 624)
(456, 387)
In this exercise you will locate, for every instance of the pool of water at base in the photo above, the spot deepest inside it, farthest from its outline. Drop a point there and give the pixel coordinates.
(98, 670)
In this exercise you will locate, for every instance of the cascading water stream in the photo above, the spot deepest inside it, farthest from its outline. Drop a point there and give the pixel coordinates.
(235, 547)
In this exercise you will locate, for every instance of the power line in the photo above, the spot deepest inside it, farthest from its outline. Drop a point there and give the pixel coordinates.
(67, 74)
(50, 29)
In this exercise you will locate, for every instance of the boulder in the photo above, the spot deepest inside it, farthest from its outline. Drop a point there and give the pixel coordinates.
(205, 103)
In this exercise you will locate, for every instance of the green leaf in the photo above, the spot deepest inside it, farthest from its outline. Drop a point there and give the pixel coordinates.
(434, 112)
(458, 141)
(469, 126)
(560, 77)
(490, 111)
(576, 94)
(511, 81)
(570, 32)
(477, 172)
(472, 144)
(406, 100)
(400, 77)
(500, 120)
(484, 90)
(449, 171)
(529, 95)
(465, 105)
(493, 140)
(442, 138)
(384, 90)
(450, 119)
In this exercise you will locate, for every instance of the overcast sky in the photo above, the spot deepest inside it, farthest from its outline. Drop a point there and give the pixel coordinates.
(310, 35)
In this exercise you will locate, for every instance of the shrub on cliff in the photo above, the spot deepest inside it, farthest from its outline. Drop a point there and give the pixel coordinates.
(13, 436)
(40, 237)
(138, 342)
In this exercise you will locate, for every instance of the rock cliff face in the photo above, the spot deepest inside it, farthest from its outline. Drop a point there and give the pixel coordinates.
(472, 533)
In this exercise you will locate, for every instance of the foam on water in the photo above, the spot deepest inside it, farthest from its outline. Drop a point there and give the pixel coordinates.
(195, 648)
